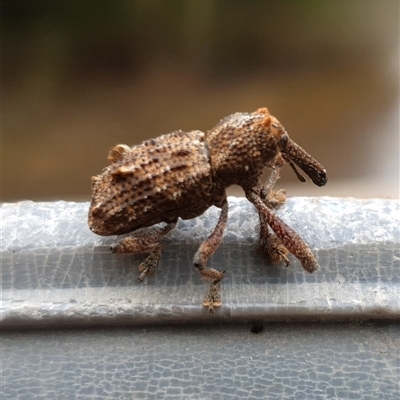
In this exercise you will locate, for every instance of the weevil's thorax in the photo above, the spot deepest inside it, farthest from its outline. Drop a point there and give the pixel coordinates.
(241, 146)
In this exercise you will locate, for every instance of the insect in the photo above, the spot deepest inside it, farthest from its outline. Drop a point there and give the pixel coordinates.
(182, 174)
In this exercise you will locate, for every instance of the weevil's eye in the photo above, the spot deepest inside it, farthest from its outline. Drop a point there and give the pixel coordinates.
(283, 140)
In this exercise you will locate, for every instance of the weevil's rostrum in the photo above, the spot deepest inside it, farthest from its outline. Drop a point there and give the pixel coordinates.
(182, 174)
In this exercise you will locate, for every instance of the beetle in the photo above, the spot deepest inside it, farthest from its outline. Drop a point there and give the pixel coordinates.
(182, 174)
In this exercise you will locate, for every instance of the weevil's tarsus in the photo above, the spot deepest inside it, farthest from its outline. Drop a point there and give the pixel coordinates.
(213, 297)
(148, 267)
(275, 200)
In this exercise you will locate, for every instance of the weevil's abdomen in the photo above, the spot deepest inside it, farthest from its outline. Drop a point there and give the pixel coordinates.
(156, 181)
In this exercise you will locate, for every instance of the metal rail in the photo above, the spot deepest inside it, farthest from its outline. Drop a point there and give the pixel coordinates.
(55, 272)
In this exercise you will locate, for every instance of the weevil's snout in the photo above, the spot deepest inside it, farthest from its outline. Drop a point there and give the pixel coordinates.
(318, 175)
(293, 153)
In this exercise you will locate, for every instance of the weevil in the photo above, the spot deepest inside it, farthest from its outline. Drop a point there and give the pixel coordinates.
(182, 174)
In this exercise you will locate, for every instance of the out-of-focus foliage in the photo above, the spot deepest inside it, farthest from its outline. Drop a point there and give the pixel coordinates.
(212, 37)
(80, 75)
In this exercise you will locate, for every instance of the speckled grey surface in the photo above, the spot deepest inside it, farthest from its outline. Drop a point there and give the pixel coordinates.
(284, 361)
(56, 272)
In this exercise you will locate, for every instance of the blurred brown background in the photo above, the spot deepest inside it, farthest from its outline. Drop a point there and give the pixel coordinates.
(79, 77)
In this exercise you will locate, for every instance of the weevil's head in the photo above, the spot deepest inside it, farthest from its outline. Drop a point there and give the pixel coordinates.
(243, 144)
(293, 154)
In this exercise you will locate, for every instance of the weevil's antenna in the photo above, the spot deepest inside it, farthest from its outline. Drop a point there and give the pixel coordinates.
(300, 177)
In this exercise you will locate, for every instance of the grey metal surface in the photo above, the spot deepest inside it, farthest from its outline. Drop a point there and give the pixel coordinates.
(285, 361)
(56, 272)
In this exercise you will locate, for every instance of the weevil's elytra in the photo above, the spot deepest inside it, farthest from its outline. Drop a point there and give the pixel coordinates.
(182, 174)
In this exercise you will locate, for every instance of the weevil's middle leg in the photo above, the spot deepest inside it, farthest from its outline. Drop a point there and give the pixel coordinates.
(205, 251)
(147, 243)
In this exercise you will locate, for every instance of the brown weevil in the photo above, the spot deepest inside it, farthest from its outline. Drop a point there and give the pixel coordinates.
(182, 174)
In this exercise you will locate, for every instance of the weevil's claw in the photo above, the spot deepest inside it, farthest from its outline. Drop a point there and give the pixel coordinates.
(284, 257)
(142, 276)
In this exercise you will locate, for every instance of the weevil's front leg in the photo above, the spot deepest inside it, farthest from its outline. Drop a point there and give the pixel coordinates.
(270, 244)
(289, 238)
(147, 243)
(205, 251)
(271, 198)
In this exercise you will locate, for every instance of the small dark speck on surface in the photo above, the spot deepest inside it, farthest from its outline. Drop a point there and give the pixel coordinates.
(257, 328)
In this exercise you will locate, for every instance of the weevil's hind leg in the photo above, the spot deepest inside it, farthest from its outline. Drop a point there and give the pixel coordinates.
(205, 251)
(289, 238)
(147, 243)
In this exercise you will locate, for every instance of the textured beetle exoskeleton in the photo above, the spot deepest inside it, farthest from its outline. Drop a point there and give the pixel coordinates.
(153, 182)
